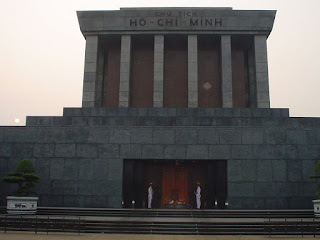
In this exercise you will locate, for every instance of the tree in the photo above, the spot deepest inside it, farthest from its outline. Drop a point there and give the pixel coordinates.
(25, 177)
(317, 176)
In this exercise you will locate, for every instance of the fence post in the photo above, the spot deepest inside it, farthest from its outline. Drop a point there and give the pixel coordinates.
(286, 225)
(270, 228)
(79, 225)
(314, 228)
(48, 226)
(36, 225)
(5, 224)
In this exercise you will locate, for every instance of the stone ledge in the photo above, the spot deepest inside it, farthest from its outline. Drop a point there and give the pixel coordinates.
(176, 121)
(167, 112)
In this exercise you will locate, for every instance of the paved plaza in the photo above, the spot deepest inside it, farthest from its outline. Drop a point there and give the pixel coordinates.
(99, 236)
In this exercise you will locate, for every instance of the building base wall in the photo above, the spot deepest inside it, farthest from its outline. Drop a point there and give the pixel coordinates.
(80, 155)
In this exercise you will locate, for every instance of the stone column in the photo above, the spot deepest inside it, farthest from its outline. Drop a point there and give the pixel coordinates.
(252, 78)
(125, 57)
(158, 71)
(192, 71)
(226, 70)
(99, 82)
(90, 71)
(262, 79)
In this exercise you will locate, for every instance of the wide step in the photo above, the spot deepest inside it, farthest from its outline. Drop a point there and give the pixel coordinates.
(177, 213)
(163, 221)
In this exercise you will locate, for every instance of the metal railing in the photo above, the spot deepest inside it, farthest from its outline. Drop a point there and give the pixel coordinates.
(41, 224)
(292, 227)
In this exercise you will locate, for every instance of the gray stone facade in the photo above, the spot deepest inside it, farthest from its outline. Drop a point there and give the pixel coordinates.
(176, 19)
(224, 23)
(90, 72)
(79, 156)
(262, 81)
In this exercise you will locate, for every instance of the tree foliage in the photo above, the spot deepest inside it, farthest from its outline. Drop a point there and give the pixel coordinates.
(25, 177)
(317, 176)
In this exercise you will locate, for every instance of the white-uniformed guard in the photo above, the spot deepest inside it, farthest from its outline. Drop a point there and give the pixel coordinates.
(150, 195)
(198, 195)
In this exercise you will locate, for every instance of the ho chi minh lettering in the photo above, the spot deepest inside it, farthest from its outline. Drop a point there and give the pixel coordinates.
(175, 22)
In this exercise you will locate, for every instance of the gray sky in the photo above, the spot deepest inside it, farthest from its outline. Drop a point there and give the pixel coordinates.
(42, 53)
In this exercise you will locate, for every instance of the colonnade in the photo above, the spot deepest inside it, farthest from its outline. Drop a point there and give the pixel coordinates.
(257, 72)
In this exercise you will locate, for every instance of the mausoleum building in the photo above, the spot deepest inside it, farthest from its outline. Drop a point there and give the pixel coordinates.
(172, 96)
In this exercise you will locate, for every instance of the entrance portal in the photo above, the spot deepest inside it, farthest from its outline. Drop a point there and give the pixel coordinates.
(174, 183)
(174, 186)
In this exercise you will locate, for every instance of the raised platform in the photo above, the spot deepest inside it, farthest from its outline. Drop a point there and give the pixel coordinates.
(165, 117)
(81, 155)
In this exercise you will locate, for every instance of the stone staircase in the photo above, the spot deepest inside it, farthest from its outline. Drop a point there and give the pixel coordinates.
(165, 221)
(175, 213)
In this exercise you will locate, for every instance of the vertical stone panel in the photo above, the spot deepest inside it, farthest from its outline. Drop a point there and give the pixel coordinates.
(226, 70)
(125, 63)
(90, 71)
(112, 74)
(158, 71)
(209, 70)
(141, 84)
(192, 71)
(175, 72)
(238, 77)
(262, 79)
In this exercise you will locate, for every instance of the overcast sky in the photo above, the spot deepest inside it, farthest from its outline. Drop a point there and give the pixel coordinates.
(42, 53)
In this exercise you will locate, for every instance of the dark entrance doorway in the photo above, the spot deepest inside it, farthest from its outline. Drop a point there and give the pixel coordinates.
(174, 183)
